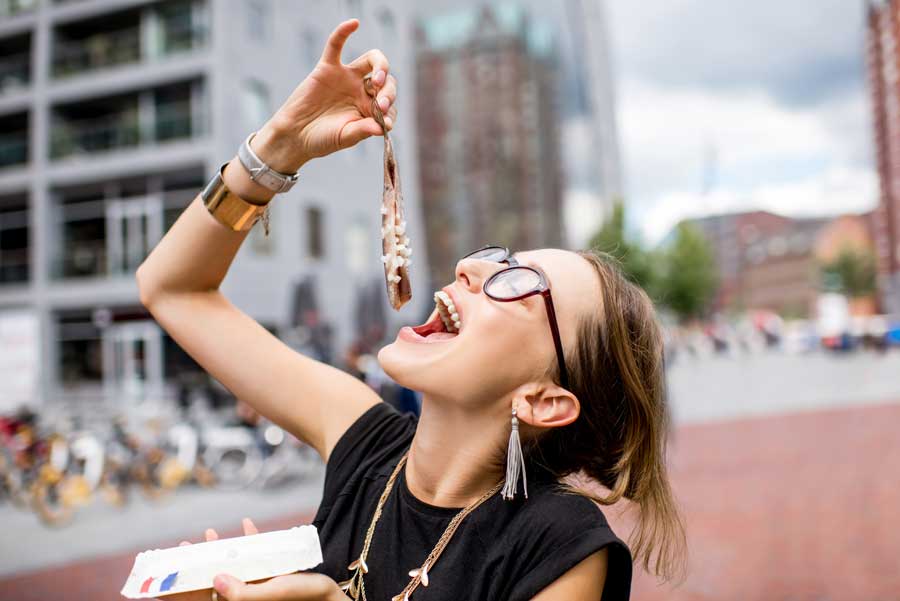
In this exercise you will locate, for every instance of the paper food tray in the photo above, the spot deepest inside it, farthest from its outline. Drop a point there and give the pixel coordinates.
(162, 572)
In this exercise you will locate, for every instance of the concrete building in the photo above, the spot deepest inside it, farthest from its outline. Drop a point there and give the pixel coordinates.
(592, 115)
(113, 114)
(488, 125)
(883, 66)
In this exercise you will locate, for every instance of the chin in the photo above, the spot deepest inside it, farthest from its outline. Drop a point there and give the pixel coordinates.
(405, 368)
(413, 358)
(391, 363)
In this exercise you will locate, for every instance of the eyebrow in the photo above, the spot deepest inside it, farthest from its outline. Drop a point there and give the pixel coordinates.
(533, 265)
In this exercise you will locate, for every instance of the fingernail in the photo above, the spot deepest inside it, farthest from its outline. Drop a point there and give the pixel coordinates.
(384, 103)
(183, 543)
(379, 77)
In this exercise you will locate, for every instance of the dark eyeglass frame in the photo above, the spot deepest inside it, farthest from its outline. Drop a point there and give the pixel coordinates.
(542, 288)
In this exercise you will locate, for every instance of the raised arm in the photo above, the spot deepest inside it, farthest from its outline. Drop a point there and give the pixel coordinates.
(179, 281)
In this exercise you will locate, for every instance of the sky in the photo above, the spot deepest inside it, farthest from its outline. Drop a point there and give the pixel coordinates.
(733, 105)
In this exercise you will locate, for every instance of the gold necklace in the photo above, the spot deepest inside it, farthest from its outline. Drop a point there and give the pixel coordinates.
(355, 586)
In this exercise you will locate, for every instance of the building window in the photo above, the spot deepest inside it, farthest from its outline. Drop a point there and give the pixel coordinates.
(315, 240)
(255, 104)
(258, 19)
(14, 240)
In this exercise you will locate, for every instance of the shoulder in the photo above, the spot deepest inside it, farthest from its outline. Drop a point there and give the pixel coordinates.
(371, 444)
(555, 530)
(584, 581)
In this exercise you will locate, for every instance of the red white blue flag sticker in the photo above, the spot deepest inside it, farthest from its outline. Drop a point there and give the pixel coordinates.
(159, 584)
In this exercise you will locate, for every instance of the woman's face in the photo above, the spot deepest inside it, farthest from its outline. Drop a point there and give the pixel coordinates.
(500, 345)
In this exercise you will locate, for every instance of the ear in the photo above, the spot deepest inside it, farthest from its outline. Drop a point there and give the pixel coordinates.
(546, 405)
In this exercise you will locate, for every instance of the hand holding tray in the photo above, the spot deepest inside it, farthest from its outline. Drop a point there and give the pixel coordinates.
(162, 572)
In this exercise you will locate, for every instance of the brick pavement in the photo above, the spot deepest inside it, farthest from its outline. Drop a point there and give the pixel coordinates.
(800, 507)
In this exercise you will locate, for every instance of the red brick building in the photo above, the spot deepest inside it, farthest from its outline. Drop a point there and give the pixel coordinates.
(488, 133)
(883, 66)
(771, 262)
(763, 260)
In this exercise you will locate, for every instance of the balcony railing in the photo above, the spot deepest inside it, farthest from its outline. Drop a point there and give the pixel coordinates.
(105, 50)
(175, 121)
(185, 37)
(87, 136)
(15, 71)
(96, 52)
(13, 149)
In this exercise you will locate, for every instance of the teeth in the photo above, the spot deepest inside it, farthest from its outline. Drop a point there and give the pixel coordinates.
(447, 311)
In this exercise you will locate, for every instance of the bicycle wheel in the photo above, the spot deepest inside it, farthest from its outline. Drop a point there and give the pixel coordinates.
(49, 505)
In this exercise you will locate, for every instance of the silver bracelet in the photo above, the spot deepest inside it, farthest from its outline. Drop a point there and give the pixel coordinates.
(261, 173)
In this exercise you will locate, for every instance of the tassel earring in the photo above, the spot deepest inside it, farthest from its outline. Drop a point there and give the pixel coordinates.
(515, 462)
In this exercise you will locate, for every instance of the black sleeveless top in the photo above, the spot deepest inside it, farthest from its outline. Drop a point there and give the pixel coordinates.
(503, 551)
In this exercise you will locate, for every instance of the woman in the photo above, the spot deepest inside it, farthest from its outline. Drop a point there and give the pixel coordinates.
(413, 507)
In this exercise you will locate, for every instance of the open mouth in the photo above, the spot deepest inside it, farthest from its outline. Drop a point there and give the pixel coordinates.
(445, 323)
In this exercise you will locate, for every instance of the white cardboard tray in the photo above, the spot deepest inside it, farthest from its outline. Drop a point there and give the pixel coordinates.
(162, 572)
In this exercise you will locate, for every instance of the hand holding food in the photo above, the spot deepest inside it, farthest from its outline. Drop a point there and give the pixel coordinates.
(190, 572)
(330, 109)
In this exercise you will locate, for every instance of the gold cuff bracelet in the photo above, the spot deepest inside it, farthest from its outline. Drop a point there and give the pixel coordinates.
(228, 208)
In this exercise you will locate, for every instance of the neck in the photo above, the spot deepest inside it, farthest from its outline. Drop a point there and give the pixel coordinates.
(456, 454)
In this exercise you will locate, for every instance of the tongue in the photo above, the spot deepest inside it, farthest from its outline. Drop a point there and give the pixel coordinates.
(440, 336)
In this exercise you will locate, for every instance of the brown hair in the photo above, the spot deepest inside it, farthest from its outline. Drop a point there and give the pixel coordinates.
(619, 440)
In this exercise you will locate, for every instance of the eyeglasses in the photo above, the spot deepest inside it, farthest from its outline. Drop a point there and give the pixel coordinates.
(516, 282)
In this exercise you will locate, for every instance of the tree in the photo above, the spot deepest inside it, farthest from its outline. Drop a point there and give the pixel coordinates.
(852, 272)
(637, 263)
(690, 277)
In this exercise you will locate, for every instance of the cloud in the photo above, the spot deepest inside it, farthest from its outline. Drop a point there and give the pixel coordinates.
(691, 139)
(732, 106)
(837, 190)
(800, 52)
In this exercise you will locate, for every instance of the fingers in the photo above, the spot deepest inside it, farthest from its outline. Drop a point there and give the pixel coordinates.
(292, 587)
(335, 44)
(357, 131)
(391, 118)
(374, 62)
(387, 95)
(249, 527)
(211, 534)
